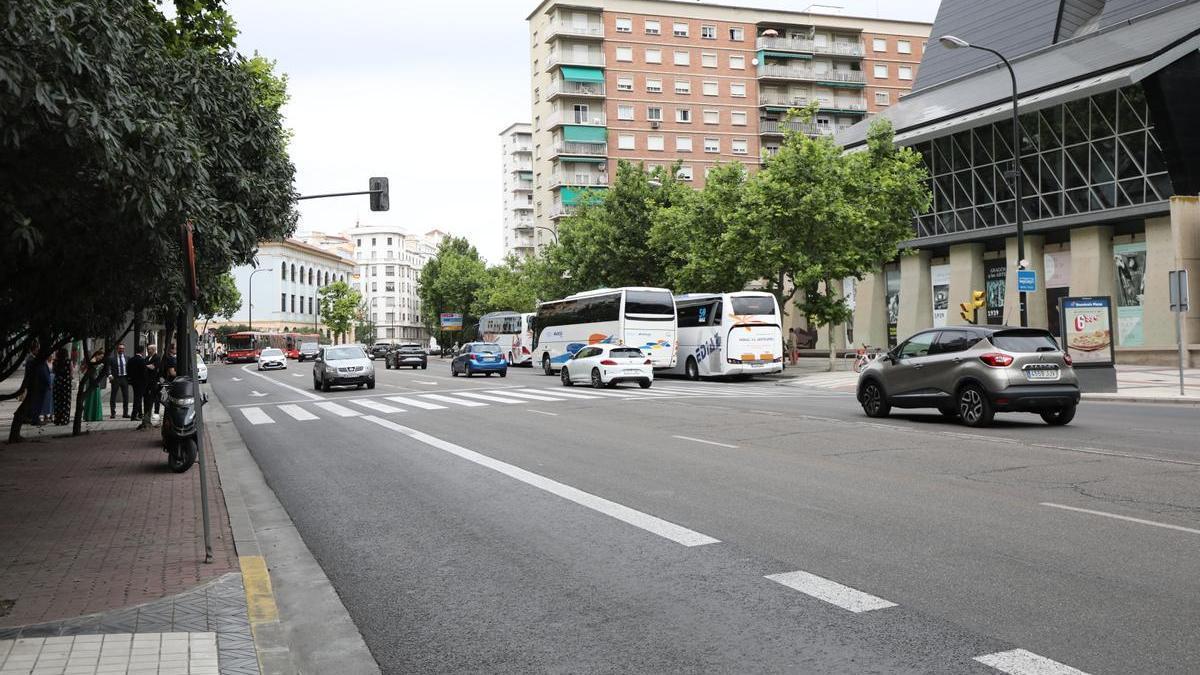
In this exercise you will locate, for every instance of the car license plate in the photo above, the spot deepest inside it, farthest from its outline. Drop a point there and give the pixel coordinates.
(1042, 374)
(632, 371)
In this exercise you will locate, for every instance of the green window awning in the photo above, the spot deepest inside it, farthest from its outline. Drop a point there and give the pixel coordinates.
(587, 160)
(571, 196)
(581, 134)
(843, 85)
(582, 74)
(783, 55)
(525, 175)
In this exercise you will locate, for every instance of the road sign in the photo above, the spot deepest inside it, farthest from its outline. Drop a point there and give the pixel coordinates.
(1027, 281)
(1177, 280)
(451, 321)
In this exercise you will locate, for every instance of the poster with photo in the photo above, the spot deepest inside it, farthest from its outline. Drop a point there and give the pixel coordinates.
(849, 287)
(892, 285)
(1057, 266)
(939, 278)
(1130, 262)
(1087, 330)
(993, 286)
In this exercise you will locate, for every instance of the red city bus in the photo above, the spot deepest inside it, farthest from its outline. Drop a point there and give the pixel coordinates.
(247, 345)
(292, 341)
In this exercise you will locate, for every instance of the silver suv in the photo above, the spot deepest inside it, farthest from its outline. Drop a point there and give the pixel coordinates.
(973, 372)
(342, 364)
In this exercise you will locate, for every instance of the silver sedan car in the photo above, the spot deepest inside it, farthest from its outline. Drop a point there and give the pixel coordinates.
(972, 373)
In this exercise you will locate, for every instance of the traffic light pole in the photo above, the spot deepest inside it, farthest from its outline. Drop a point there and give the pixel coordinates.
(377, 187)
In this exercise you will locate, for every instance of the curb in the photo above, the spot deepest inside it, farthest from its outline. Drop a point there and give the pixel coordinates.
(298, 621)
(1191, 401)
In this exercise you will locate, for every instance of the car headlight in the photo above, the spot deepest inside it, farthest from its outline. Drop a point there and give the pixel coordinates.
(187, 400)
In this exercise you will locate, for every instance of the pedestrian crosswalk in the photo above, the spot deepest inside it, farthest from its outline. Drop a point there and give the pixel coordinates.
(841, 381)
(384, 404)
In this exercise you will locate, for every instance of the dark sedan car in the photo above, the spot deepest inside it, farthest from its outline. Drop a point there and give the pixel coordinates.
(406, 356)
(479, 357)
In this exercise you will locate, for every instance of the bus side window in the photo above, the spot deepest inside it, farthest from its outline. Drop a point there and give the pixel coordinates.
(716, 313)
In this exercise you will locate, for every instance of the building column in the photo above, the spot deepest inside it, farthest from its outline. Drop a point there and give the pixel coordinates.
(1092, 261)
(916, 294)
(1172, 243)
(966, 275)
(870, 310)
(1036, 301)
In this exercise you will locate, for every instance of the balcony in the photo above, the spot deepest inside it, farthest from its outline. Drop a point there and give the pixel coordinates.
(579, 149)
(779, 71)
(581, 89)
(782, 100)
(852, 77)
(522, 186)
(847, 49)
(524, 147)
(564, 29)
(522, 224)
(562, 210)
(561, 117)
(785, 44)
(573, 59)
(777, 127)
(857, 106)
(521, 166)
(561, 179)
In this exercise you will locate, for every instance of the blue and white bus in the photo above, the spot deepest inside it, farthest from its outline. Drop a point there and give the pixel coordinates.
(724, 334)
(513, 332)
(635, 317)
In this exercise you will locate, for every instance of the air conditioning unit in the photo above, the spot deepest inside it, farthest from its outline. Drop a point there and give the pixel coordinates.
(597, 121)
(654, 124)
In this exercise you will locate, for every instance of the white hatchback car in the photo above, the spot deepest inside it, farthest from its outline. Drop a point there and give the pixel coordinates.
(272, 357)
(606, 365)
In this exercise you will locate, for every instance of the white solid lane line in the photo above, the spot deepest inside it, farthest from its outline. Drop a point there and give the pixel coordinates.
(645, 521)
(488, 397)
(830, 591)
(376, 405)
(532, 397)
(455, 401)
(1021, 662)
(541, 412)
(1120, 517)
(257, 416)
(339, 410)
(297, 413)
(298, 390)
(425, 381)
(555, 392)
(701, 440)
(416, 403)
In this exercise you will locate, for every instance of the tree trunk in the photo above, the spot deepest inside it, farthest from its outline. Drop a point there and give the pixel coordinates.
(832, 350)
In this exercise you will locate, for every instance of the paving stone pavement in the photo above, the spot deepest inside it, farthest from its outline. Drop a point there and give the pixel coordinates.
(217, 607)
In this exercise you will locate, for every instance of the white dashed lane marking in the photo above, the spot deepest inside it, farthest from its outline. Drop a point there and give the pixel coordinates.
(339, 410)
(296, 412)
(416, 403)
(1021, 662)
(376, 405)
(532, 397)
(257, 416)
(832, 592)
(455, 401)
(489, 397)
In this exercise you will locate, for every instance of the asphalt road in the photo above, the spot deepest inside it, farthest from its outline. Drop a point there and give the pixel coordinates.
(637, 533)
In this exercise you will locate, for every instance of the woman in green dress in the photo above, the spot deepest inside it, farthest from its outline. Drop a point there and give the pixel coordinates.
(93, 407)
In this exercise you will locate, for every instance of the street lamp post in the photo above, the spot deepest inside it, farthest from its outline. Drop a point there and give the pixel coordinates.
(552, 232)
(250, 292)
(951, 42)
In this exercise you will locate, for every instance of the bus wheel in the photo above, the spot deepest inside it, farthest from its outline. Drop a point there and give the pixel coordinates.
(546, 365)
(691, 370)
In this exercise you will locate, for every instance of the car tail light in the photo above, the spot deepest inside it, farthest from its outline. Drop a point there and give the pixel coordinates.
(608, 362)
(996, 359)
(1067, 359)
(471, 357)
(648, 362)
(524, 350)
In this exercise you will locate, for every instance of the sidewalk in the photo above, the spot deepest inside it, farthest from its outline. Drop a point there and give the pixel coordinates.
(102, 559)
(1135, 384)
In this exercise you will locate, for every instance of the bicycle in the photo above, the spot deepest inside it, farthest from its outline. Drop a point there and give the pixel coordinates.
(864, 356)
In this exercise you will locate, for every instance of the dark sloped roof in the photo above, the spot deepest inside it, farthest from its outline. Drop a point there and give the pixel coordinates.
(1079, 59)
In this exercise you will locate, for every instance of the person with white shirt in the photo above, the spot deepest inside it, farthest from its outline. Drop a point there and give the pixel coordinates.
(118, 376)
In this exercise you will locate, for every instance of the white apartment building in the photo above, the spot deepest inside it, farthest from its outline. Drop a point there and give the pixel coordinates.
(516, 143)
(388, 261)
(284, 293)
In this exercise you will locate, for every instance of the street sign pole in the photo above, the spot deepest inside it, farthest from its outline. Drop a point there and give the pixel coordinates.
(1177, 281)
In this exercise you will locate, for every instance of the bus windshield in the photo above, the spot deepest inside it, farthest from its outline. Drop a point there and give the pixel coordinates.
(239, 342)
(745, 305)
(649, 302)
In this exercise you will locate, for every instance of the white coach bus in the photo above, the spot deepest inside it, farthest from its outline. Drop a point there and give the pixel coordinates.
(635, 317)
(513, 331)
(724, 334)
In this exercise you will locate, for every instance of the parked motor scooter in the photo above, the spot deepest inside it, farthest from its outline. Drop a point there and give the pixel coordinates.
(179, 423)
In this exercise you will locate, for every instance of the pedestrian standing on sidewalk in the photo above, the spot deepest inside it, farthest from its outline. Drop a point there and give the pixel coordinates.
(169, 364)
(63, 373)
(93, 407)
(118, 368)
(137, 380)
(153, 373)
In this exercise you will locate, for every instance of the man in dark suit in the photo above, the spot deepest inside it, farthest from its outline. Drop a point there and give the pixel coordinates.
(137, 380)
(118, 369)
(153, 372)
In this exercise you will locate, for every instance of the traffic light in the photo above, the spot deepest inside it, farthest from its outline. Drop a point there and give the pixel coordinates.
(969, 310)
(379, 193)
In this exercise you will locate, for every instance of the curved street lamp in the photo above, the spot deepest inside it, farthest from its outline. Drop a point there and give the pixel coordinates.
(952, 42)
(553, 233)
(250, 301)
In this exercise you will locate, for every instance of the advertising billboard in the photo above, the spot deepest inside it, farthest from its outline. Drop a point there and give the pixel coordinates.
(451, 321)
(1087, 330)
(994, 287)
(939, 279)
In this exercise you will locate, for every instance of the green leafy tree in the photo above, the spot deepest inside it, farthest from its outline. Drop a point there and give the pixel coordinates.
(339, 306)
(509, 286)
(221, 299)
(117, 125)
(364, 330)
(451, 282)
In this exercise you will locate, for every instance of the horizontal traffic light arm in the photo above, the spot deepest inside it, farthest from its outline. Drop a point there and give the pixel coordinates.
(341, 194)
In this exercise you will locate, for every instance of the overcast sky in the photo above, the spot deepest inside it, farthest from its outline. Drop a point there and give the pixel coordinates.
(417, 92)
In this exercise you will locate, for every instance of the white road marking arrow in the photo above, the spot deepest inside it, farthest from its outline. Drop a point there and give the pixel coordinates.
(297, 374)
(236, 379)
(257, 394)
(425, 382)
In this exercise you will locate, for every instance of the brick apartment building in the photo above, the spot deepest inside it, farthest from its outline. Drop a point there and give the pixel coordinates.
(656, 81)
